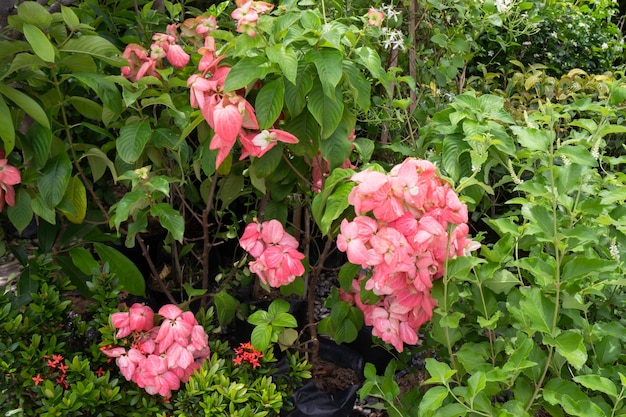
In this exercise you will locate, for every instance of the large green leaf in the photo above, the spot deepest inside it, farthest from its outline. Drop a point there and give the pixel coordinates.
(533, 139)
(33, 13)
(170, 219)
(538, 308)
(21, 213)
(24, 102)
(84, 260)
(296, 92)
(95, 46)
(269, 103)
(40, 140)
(74, 202)
(328, 62)
(569, 344)
(54, 179)
(286, 59)
(39, 42)
(226, 307)
(328, 112)
(335, 206)
(41, 209)
(244, 72)
(133, 139)
(261, 337)
(123, 268)
(86, 107)
(337, 147)
(7, 130)
(359, 85)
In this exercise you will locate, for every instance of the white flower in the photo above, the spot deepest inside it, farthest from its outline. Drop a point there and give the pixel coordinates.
(391, 12)
(503, 5)
(554, 35)
(605, 45)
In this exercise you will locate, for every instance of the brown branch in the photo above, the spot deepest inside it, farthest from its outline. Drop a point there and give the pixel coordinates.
(153, 270)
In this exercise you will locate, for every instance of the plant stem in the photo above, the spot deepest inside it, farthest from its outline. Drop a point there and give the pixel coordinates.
(206, 238)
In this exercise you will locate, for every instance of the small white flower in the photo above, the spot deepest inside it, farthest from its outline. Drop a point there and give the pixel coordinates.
(614, 251)
(605, 45)
(527, 43)
(554, 35)
(489, 53)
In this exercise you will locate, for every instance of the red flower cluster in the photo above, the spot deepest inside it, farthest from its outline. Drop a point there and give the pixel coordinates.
(247, 353)
(160, 357)
(403, 246)
(57, 368)
(278, 261)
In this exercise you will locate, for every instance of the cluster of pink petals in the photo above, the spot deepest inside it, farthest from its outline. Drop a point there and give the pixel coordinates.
(277, 259)
(228, 113)
(401, 237)
(247, 13)
(142, 62)
(160, 357)
(375, 17)
(9, 176)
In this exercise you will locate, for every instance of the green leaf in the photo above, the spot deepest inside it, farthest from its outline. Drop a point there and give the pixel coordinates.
(568, 395)
(226, 307)
(25, 61)
(35, 14)
(41, 209)
(370, 60)
(54, 179)
(98, 162)
(336, 149)
(70, 18)
(21, 214)
(296, 92)
(539, 308)
(278, 306)
(284, 320)
(541, 221)
(476, 384)
(74, 202)
(7, 130)
(328, 62)
(569, 344)
(286, 59)
(261, 337)
(440, 372)
(132, 141)
(451, 410)
(27, 104)
(39, 41)
(40, 140)
(170, 219)
(84, 260)
(244, 72)
(86, 107)
(533, 139)
(597, 383)
(269, 103)
(347, 274)
(432, 400)
(123, 268)
(359, 85)
(336, 205)
(267, 164)
(96, 47)
(328, 112)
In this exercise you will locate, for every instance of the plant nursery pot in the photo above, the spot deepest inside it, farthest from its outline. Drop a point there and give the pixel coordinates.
(310, 400)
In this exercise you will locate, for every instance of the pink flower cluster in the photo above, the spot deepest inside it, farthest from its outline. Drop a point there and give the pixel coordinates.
(160, 357)
(228, 113)
(403, 244)
(142, 63)
(9, 176)
(278, 261)
(247, 13)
